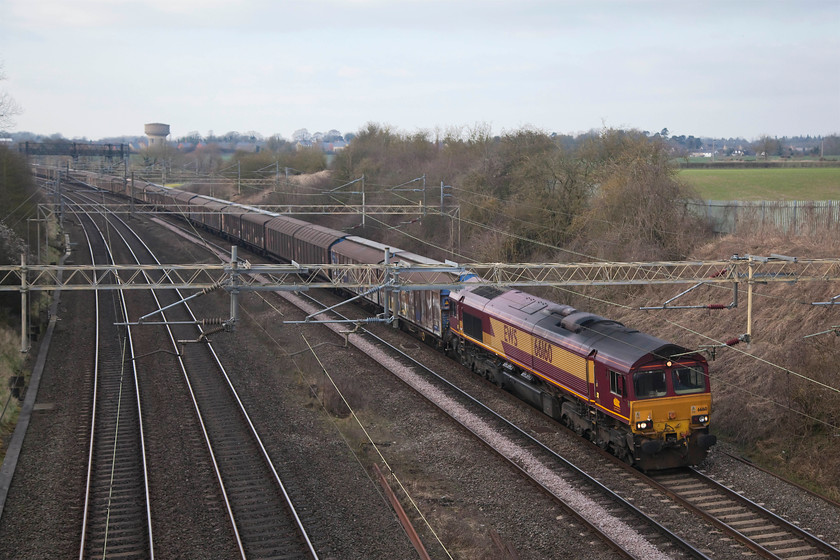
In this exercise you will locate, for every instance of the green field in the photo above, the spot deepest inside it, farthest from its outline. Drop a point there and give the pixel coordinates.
(799, 183)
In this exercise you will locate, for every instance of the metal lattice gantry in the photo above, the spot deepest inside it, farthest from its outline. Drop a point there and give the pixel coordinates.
(74, 149)
(239, 276)
(738, 269)
(298, 277)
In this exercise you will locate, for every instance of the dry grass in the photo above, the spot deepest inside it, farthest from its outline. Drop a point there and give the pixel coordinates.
(465, 536)
(11, 364)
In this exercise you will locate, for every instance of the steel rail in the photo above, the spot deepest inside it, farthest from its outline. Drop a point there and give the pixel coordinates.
(736, 498)
(91, 439)
(303, 533)
(805, 489)
(142, 450)
(174, 343)
(220, 252)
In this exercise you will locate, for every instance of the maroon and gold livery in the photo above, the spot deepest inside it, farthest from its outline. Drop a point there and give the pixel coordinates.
(646, 400)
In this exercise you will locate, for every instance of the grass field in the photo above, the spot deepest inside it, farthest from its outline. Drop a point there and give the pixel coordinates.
(821, 183)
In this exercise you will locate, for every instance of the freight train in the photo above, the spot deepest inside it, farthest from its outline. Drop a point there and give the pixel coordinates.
(645, 400)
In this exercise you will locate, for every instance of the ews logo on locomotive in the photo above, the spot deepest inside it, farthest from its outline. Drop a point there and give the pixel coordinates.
(510, 335)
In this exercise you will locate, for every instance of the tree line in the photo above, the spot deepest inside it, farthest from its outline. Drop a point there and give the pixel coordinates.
(522, 196)
(531, 196)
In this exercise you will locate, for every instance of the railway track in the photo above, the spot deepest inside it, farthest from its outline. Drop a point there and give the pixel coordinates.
(756, 527)
(263, 519)
(116, 519)
(806, 490)
(628, 530)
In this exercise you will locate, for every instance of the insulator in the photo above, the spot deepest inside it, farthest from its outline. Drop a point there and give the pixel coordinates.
(212, 288)
(716, 306)
(212, 321)
(732, 341)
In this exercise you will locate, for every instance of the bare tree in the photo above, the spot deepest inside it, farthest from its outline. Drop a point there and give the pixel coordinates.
(301, 135)
(639, 210)
(8, 107)
(767, 146)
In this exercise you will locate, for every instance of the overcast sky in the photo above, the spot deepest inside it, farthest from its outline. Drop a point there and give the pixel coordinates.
(100, 68)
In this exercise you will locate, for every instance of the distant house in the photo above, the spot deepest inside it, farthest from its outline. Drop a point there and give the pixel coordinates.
(332, 147)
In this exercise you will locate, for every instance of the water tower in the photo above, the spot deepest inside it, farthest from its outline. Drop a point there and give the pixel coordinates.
(157, 133)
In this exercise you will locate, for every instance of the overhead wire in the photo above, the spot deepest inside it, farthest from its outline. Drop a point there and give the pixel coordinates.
(18, 207)
(580, 254)
(542, 208)
(834, 389)
(379, 452)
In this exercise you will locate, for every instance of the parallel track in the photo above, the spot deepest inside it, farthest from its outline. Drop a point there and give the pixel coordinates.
(116, 516)
(755, 527)
(607, 514)
(777, 543)
(263, 517)
(827, 500)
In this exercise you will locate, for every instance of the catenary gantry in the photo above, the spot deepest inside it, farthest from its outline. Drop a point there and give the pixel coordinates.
(298, 277)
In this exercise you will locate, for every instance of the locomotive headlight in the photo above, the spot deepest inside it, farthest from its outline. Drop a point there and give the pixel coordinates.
(700, 419)
(644, 425)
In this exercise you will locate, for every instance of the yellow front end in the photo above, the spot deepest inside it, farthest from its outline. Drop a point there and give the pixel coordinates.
(670, 416)
(671, 431)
